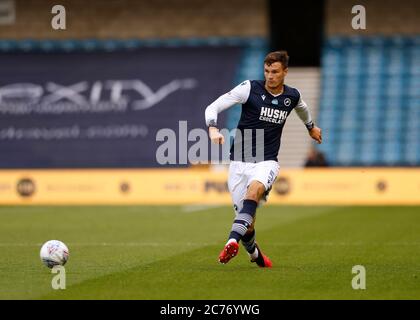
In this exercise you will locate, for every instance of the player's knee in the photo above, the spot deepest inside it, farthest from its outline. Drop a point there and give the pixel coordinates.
(252, 196)
(255, 191)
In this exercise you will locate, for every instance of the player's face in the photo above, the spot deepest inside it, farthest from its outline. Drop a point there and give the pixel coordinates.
(274, 74)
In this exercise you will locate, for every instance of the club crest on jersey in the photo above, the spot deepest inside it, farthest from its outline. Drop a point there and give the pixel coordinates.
(275, 101)
(273, 115)
(287, 102)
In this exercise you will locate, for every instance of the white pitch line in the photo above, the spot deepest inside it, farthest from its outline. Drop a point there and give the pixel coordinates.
(199, 207)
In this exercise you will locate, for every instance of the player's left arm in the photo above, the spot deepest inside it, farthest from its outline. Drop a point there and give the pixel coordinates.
(304, 114)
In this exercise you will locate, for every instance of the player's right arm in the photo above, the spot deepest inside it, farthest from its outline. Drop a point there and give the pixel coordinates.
(239, 94)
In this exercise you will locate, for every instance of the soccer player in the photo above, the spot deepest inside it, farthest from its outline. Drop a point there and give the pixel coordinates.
(254, 164)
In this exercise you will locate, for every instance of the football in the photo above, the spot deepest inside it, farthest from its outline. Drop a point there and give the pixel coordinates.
(53, 253)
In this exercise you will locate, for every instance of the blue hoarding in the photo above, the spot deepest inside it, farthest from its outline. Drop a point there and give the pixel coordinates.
(102, 109)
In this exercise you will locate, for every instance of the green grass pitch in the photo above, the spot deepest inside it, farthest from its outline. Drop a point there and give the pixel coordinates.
(170, 252)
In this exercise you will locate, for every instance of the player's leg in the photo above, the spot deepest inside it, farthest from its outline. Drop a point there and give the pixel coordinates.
(248, 241)
(237, 183)
(256, 192)
(245, 217)
(263, 176)
(253, 249)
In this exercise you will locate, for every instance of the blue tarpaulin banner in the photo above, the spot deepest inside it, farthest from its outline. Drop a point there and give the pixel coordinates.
(103, 109)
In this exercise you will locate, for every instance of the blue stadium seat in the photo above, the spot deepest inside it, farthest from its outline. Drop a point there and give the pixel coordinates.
(371, 88)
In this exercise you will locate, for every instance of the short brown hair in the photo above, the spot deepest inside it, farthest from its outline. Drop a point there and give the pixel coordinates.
(277, 56)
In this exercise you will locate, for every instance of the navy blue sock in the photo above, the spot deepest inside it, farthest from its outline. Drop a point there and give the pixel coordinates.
(243, 220)
(248, 241)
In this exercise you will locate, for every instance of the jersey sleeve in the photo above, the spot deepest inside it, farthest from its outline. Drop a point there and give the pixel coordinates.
(239, 94)
(303, 111)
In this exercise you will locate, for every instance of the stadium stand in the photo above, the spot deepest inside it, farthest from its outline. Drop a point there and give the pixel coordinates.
(170, 29)
(370, 105)
(383, 17)
(126, 19)
(369, 83)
